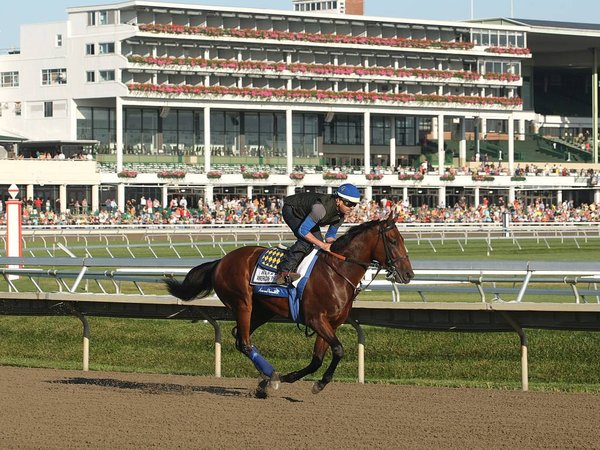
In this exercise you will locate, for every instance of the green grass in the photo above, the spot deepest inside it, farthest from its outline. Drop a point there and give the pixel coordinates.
(558, 360)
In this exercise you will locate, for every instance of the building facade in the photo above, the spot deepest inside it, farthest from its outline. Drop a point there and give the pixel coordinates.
(213, 101)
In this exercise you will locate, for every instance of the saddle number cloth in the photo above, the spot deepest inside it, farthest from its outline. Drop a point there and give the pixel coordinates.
(265, 270)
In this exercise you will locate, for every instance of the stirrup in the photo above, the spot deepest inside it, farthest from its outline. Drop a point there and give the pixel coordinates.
(286, 278)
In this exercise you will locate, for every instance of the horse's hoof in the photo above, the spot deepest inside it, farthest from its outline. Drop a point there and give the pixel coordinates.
(275, 382)
(317, 387)
(261, 389)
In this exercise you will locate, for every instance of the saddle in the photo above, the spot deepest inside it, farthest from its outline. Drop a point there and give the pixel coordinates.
(265, 272)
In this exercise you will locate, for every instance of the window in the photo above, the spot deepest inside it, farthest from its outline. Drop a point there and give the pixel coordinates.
(91, 18)
(106, 47)
(107, 75)
(59, 40)
(17, 108)
(90, 49)
(103, 17)
(48, 109)
(9, 79)
(90, 76)
(54, 76)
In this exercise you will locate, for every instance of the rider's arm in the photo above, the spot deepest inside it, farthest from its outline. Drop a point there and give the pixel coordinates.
(316, 214)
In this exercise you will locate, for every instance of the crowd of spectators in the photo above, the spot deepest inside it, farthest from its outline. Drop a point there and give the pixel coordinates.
(267, 210)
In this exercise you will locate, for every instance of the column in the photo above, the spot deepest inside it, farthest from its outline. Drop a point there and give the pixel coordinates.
(369, 193)
(596, 195)
(511, 145)
(483, 127)
(62, 195)
(559, 197)
(393, 143)
(367, 140)
(209, 195)
(476, 195)
(121, 197)
(511, 195)
(440, 138)
(289, 147)
(521, 136)
(165, 196)
(462, 143)
(290, 189)
(207, 152)
(119, 132)
(95, 198)
(442, 196)
(404, 193)
(249, 191)
(29, 192)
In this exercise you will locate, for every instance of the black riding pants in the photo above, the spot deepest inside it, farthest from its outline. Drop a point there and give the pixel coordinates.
(301, 247)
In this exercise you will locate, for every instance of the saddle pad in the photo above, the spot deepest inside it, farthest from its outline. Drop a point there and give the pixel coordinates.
(266, 267)
(294, 292)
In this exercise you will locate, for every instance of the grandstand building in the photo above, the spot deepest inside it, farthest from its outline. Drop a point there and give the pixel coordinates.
(165, 99)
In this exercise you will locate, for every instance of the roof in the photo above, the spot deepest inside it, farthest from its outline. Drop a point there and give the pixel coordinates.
(557, 24)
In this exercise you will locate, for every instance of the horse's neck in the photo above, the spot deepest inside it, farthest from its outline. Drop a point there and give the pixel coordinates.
(358, 250)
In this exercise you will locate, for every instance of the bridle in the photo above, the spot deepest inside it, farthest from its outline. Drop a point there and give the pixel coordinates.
(390, 263)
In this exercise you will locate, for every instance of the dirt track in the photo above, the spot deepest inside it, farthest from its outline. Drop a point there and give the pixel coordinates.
(68, 409)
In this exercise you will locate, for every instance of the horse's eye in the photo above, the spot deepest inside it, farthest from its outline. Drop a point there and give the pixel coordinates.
(393, 241)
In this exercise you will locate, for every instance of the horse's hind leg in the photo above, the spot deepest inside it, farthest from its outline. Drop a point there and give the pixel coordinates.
(317, 361)
(245, 325)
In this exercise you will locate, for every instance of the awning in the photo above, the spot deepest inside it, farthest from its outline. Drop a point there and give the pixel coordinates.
(8, 137)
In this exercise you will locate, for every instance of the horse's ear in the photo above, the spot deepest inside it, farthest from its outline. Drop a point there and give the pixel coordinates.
(391, 218)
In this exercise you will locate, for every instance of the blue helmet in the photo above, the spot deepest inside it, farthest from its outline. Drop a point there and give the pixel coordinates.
(349, 192)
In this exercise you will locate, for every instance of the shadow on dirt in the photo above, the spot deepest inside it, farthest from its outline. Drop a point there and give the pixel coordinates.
(154, 388)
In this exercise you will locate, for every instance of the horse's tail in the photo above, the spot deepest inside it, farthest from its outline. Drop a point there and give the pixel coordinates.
(197, 283)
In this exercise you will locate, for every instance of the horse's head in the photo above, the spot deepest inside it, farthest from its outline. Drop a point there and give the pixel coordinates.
(391, 252)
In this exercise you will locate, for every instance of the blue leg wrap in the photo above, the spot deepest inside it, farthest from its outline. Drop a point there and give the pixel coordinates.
(261, 364)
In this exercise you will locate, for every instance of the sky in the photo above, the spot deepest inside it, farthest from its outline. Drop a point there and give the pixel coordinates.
(21, 12)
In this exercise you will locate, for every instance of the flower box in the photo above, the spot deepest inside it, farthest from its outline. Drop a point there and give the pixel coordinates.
(447, 177)
(255, 175)
(335, 176)
(176, 174)
(518, 178)
(374, 176)
(127, 174)
(410, 176)
(172, 90)
(297, 175)
(483, 178)
(214, 175)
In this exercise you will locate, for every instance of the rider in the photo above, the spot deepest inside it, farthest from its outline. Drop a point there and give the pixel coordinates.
(305, 213)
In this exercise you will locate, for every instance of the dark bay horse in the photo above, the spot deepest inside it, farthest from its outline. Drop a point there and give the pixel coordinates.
(327, 298)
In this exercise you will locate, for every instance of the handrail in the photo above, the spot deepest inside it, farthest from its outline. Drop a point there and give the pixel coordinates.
(576, 280)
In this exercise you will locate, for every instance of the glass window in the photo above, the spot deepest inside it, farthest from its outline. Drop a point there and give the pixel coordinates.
(90, 76)
(54, 76)
(90, 49)
(106, 47)
(107, 75)
(59, 40)
(103, 17)
(9, 79)
(91, 16)
(48, 109)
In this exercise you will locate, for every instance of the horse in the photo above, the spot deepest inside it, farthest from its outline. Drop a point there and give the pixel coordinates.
(327, 299)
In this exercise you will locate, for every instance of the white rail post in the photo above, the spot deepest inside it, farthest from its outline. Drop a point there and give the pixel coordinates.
(361, 349)
(524, 361)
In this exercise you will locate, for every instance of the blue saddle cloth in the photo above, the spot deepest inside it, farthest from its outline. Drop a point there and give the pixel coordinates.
(263, 283)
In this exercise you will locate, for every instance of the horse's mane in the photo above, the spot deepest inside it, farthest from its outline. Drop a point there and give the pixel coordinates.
(345, 240)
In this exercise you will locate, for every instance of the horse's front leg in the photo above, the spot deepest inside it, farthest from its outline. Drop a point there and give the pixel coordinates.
(327, 332)
(317, 361)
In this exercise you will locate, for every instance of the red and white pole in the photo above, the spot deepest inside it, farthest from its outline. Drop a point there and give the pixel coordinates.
(14, 231)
